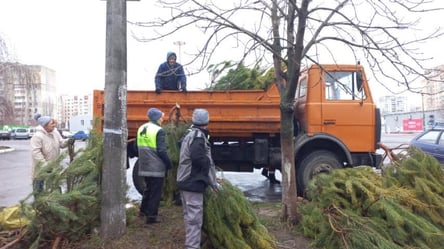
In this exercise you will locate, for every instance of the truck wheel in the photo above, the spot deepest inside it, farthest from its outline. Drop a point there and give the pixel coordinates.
(138, 181)
(322, 161)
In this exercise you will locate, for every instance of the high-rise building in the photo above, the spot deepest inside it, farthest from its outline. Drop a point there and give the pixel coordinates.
(393, 104)
(24, 91)
(433, 94)
(71, 106)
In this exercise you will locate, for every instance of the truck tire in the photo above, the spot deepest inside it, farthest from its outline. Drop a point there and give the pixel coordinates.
(138, 181)
(322, 161)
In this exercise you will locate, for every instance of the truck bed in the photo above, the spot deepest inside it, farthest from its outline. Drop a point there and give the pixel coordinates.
(233, 113)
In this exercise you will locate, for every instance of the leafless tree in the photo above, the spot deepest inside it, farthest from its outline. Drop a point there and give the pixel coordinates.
(6, 107)
(384, 35)
(6, 54)
(3, 50)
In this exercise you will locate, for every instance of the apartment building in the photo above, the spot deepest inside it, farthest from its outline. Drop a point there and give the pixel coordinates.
(433, 95)
(72, 106)
(24, 91)
(393, 103)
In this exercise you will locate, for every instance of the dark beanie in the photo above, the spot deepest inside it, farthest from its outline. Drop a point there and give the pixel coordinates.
(200, 117)
(154, 114)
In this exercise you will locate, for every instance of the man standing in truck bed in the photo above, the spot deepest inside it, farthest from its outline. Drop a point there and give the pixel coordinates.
(170, 75)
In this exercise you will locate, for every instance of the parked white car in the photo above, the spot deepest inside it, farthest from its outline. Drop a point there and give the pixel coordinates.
(66, 134)
(21, 133)
(31, 132)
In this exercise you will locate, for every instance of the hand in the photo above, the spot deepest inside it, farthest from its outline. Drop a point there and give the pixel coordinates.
(157, 90)
(217, 187)
(71, 141)
(169, 166)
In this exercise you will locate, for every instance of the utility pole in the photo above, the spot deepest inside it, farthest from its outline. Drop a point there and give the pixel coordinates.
(115, 132)
(179, 44)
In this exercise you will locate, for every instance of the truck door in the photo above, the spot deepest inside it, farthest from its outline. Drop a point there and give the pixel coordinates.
(348, 112)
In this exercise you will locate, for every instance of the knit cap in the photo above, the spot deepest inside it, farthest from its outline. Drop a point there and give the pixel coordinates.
(200, 117)
(154, 114)
(42, 120)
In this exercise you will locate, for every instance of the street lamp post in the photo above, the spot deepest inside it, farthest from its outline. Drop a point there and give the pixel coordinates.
(179, 44)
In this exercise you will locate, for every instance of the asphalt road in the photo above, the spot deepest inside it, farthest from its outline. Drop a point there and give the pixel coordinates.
(15, 174)
(16, 171)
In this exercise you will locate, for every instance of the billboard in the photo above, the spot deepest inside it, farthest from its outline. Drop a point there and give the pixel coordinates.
(414, 124)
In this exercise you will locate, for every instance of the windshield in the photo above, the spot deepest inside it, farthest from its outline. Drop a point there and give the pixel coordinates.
(343, 86)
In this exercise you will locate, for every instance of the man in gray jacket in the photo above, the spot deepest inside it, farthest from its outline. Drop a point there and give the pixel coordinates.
(196, 171)
(154, 162)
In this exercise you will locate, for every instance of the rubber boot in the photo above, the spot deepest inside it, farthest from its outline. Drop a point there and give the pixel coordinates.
(265, 172)
(177, 200)
(272, 178)
(152, 220)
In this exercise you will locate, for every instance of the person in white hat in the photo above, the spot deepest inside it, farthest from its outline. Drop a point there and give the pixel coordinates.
(45, 145)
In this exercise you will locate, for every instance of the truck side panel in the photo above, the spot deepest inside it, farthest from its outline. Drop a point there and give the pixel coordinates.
(236, 113)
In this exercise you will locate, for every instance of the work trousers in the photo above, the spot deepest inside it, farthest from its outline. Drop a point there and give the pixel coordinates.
(192, 204)
(151, 196)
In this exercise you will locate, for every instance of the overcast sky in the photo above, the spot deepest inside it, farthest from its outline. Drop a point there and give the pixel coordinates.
(68, 36)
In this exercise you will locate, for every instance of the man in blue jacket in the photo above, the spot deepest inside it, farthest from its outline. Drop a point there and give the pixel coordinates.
(170, 75)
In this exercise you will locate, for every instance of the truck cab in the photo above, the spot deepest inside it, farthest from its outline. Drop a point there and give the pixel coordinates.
(338, 123)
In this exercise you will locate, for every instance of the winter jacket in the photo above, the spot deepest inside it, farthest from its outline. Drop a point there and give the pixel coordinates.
(169, 77)
(45, 146)
(153, 157)
(196, 167)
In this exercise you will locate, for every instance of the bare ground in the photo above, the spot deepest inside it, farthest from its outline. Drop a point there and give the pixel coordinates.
(170, 234)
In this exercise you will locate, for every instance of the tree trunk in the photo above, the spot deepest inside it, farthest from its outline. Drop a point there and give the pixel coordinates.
(295, 55)
(115, 133)
(289, 191)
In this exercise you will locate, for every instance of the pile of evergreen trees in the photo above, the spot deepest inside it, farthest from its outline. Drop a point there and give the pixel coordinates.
(230, 222)
(357, 208)
(174, 132)
(68, 206)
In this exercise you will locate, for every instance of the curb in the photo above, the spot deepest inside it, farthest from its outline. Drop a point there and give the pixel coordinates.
(6, 150)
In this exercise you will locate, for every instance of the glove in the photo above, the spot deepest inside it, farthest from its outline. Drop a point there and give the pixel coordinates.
(217, 187)
(157, 90)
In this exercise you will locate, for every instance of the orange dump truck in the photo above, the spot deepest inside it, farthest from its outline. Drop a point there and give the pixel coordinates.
(337, 124)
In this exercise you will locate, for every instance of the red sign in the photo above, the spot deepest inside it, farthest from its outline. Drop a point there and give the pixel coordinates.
(412, 124)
